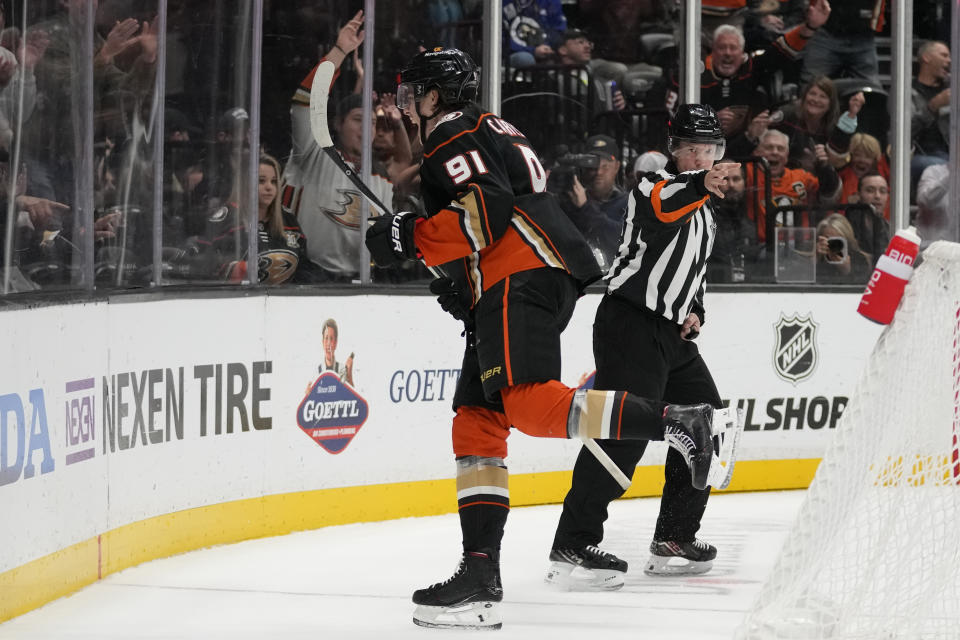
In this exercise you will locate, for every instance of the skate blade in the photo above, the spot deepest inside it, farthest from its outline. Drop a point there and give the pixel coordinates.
(725, 419)
(727, 426)
(473, 615)
(567, 577)
(675, 566)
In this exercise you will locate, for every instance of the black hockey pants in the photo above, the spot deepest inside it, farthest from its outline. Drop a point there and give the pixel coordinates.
(643, 354)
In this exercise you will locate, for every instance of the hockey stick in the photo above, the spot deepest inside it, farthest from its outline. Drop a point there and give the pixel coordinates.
(606, 462)
(319, 97)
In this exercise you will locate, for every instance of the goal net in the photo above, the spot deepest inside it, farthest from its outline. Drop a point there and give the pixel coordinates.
(875, 550)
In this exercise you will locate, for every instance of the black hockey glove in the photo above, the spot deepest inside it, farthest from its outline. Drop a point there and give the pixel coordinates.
(450, 301)
(390, 238)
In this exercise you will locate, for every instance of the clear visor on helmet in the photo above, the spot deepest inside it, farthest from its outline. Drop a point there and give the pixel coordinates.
(711, 150)
(407, 95)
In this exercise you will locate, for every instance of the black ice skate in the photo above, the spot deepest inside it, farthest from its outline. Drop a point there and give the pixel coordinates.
(689, 430)
(670, 558)
(467, 600)
(585, 569)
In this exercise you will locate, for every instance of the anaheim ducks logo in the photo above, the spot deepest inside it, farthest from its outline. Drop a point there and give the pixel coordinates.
(276, 266)
(348, 212)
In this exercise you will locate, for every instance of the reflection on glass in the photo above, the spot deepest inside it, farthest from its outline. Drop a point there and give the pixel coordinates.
(81, 105)
(795, 255)
(206, 146)
(325, 202)
(39, 146)
(126, 112)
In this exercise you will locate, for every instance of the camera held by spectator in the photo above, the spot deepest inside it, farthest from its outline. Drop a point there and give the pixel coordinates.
(593, 200)
(569, 166)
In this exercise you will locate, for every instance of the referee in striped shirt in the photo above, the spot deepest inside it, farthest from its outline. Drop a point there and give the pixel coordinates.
(642, 341)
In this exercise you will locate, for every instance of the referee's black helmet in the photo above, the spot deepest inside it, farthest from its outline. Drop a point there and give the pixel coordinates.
(696, 124)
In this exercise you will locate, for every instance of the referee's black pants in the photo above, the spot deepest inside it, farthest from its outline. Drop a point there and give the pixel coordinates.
(644, 354)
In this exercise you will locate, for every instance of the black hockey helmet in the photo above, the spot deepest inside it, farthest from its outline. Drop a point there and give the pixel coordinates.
(696, 124)
(451, 71)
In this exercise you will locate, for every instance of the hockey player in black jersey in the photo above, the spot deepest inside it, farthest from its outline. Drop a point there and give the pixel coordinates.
(516, 266)
(642, 341)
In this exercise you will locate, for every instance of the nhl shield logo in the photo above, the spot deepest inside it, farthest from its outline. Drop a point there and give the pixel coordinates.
(795, 354)
(331, 413)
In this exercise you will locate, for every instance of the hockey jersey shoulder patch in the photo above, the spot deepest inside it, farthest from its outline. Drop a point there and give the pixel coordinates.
(453, 115)
(452, 126)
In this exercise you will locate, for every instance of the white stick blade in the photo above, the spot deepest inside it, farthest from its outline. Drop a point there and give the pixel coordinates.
(319, 97)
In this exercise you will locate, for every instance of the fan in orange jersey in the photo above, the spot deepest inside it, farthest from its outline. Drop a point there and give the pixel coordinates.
(796, 187)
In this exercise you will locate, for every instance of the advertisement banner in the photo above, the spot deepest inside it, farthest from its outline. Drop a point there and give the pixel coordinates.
(115, 413)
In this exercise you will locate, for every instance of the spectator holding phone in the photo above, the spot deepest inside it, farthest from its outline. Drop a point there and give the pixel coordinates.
(839, 258)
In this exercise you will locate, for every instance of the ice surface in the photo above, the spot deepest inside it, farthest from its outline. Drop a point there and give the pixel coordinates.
(355, 581)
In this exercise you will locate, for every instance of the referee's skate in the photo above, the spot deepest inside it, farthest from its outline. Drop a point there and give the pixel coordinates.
(585, 569)
(672, 558)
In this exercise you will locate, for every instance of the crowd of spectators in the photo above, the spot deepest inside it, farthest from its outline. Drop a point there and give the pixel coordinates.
(799, 86)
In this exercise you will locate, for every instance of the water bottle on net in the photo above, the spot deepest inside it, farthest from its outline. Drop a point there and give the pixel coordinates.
(885, 288)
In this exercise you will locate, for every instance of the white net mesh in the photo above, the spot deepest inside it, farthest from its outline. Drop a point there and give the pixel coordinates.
(875, 550)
